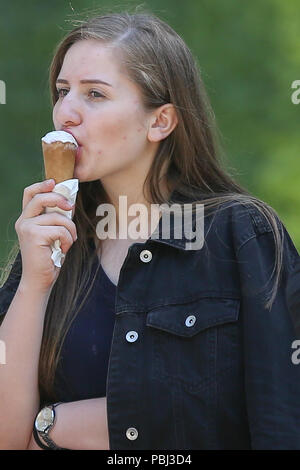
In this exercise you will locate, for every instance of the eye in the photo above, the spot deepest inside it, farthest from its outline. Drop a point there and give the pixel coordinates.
(96, 94)
(60, 92)
(93, 94)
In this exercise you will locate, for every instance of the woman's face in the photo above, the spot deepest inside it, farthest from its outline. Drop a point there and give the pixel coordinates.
(107, 119)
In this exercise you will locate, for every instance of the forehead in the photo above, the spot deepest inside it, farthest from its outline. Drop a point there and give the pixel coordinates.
(91, 59)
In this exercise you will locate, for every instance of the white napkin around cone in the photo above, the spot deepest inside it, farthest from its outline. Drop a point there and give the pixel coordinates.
(68, 189)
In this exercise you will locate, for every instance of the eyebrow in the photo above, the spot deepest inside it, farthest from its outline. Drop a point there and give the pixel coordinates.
(92, 80)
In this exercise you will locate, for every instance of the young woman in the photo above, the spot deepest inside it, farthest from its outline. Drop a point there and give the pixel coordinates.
(149, 343)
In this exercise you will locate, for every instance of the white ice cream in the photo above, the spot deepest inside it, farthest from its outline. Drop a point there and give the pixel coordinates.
(59, 136)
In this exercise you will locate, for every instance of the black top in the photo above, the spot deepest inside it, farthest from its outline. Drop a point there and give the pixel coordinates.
(83, 364)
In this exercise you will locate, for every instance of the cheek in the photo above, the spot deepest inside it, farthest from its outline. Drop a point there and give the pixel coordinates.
(54, 115)
(115, 130)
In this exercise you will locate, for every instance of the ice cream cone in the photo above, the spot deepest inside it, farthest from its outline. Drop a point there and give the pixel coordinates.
(59, 151)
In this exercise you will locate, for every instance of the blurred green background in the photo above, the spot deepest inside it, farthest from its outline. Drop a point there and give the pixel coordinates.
(248, 54)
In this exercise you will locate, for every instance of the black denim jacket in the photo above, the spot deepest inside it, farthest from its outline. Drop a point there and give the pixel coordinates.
(293, 296)
(196, 360)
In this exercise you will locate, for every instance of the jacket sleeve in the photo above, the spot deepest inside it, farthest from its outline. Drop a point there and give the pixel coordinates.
(293, 296)
(9, 288)
(272, 380)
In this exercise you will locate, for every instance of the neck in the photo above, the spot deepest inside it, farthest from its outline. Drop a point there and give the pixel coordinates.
(142, 218)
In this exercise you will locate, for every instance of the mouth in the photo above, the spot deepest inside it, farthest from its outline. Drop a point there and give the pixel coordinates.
(70, 132)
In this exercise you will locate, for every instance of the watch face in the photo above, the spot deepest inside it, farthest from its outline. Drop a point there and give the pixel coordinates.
(44, 419)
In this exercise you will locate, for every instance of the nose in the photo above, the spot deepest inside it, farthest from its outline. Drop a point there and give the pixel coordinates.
(66, 112)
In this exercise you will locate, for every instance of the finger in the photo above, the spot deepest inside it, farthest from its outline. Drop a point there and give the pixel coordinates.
(36, 188)
(40, 201)
(56, 219)
(49, 234)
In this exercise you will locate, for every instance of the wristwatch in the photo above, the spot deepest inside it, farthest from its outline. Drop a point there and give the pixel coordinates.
(43, 423)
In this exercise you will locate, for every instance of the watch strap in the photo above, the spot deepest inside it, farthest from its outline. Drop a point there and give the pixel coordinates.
(38, 440)
(51, 444)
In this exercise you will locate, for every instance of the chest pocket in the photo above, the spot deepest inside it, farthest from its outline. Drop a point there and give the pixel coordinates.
(193, 342)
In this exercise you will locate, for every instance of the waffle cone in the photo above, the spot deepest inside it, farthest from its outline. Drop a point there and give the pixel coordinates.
(59, 160)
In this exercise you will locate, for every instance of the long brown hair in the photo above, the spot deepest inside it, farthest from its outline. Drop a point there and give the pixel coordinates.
(157, 59)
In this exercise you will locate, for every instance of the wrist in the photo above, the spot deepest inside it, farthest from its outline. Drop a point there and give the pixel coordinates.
(31, 288)
(58, 433)
(82, 425)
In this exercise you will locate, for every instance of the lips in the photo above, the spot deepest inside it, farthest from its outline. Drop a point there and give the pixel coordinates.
(70, 132)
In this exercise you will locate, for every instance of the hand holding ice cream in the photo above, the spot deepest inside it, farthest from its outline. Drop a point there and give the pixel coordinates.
(39, 229)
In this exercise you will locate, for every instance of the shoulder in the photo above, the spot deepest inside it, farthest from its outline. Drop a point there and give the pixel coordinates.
(245, 219)
(261, 245)
(250, 220)
(247, 215)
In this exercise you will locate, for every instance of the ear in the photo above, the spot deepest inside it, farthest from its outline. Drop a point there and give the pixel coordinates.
(162, 122)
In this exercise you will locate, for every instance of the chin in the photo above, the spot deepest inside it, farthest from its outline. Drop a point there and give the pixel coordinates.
(85, 178)
(86, 175)
(81, 175)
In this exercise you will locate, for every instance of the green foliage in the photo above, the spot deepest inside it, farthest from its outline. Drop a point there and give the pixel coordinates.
(248, 54)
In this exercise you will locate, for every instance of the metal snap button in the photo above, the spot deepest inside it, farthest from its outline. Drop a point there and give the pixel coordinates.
(146, 256)
(132, 434)
(132, 336)
(190, 321)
